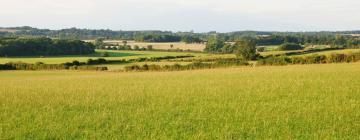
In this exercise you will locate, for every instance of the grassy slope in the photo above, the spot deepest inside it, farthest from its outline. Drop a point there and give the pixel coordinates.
(289, 102)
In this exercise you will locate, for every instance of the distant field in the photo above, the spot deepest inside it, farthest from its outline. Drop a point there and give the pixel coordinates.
(163, 46)
(114, 55)
(285, 102)
(8, 30)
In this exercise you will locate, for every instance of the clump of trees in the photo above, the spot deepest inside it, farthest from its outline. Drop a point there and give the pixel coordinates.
(191, 39)
(246, 49)
(290, 46)
(214, 44)
(43, 46)
(168, 38)
(157, 38)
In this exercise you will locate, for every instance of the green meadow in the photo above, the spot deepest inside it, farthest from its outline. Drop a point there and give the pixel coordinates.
(271, 102)
(113, 55)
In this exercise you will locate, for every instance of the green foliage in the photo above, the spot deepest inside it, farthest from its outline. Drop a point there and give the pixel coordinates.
(311, 59)
(191, 66)
(75, 65)
(191, 39)
(246, 48)
(105, 54)
(228, 49)
(43, 46)
(99, 43)
(214, 44)
(157, 38)
(290, 46)
(260, 49)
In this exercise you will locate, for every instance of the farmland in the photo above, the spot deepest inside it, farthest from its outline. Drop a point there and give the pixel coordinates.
(71, 89)
(163, 46)
(289, 102)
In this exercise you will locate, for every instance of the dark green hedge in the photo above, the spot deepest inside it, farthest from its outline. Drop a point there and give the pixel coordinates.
(311, 59)
(191, 66)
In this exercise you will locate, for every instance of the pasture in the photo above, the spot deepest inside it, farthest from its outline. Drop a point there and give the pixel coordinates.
(286, 102)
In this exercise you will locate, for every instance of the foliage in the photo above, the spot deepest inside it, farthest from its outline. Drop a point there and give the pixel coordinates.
(75, 65)
(105, 54)
(43, 46)
(260, 49)
(191, 66)
(157, 38)
(290, 46)
(191, 39)
(311, 59)
(246, 48)
(214, 44)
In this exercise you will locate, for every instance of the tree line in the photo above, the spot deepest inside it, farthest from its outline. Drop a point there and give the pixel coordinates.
(263, 38)
(43, 46)
(311, 59)
(246, 47)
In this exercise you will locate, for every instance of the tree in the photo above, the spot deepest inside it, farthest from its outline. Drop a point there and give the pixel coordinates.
(105, 54)
(246, 48)
(214, 44)
(124, 42)
(228, 48)
(261, 49)
(136, 47)
(99, 43)
(149, 47)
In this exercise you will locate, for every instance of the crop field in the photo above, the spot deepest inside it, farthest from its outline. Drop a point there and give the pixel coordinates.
(163, 46)
(286, 102)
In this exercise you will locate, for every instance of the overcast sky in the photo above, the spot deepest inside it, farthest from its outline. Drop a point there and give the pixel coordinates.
(184, 15)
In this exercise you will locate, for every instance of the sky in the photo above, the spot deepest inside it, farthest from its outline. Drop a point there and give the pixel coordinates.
(184, 15)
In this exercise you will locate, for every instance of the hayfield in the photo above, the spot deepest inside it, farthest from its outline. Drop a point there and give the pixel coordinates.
(286, 102)
(163, 46)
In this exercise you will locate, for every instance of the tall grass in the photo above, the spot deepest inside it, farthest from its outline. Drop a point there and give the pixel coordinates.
(290, 102)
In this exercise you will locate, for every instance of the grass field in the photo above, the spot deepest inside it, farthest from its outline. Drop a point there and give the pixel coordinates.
(114, 55)
(285, 102)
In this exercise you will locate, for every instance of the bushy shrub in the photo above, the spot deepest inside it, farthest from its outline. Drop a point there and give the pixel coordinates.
(191, 66)
(261, 49)
(105, 54)
(41, 66)
(290, 46)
